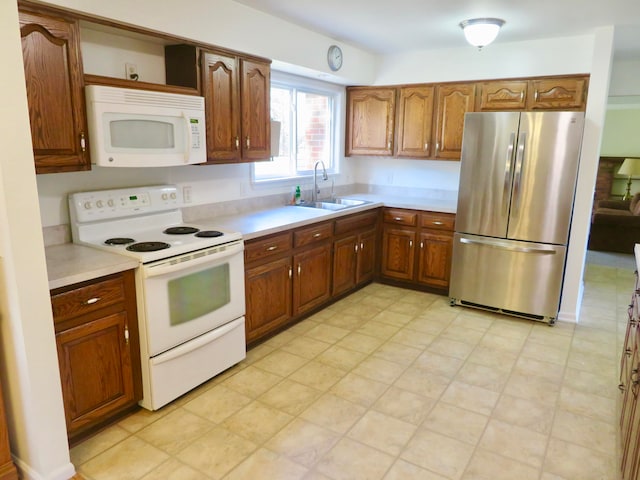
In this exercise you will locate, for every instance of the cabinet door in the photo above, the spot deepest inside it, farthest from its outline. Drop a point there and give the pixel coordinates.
(370, 119)
(312, 278)
(398, 253)
(502, 95)
(453, 102)
(222, 107)
(630, 431)
(268, 297)
(255, 90)
(53, 74)
(366, 256)
(95, 369)
(345, 263)
(415, 113)
(558, 93)
(434, 260)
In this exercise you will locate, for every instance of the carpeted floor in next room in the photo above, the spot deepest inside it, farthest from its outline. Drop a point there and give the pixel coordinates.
(395, 384)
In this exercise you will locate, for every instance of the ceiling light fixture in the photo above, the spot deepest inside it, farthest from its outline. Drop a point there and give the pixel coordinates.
(480, 32)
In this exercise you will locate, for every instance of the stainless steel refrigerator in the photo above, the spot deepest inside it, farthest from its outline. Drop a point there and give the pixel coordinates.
(517, 183)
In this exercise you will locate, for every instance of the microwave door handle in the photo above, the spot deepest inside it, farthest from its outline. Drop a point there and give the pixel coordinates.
(187, 138)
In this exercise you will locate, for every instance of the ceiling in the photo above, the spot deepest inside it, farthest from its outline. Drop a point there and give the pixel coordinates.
(396, 26)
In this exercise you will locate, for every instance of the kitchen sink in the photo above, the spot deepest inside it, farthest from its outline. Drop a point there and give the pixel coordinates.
(336, 204)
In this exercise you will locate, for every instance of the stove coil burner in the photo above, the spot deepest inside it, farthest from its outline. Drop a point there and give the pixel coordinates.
(118, 241)
(147, 246)
(209, 234)
(181, 230)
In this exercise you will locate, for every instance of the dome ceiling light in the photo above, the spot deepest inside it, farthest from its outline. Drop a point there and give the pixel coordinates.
(480, 32)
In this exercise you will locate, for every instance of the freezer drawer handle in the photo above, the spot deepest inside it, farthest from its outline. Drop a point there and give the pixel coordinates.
(506, 246)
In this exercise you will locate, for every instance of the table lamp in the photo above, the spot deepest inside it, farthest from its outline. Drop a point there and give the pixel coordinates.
(631, 168)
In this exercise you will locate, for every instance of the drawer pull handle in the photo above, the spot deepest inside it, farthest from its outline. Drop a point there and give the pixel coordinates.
(272, 248)
(438, 223)
(361, 245)
(398, 219)
(421, 245)
(299, 269)
(91, 301)
(355, 248)
(290, 272)
(126, 335)
(316, 235)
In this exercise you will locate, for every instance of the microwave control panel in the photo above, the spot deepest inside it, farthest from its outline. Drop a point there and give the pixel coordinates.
(196, 131)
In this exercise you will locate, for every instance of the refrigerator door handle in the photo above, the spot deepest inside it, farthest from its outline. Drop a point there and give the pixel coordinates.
(517, 176)
(507, 246)
(507, 173)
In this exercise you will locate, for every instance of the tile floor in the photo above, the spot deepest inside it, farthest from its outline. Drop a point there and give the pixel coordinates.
(395, 384)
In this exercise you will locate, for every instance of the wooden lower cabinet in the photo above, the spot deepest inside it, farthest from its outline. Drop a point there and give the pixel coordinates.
(417, 248)
(312, 278)
(8, 470)
(354, 261)
(98, 351)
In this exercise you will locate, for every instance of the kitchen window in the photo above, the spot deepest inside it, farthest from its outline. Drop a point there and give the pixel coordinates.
(308, 112)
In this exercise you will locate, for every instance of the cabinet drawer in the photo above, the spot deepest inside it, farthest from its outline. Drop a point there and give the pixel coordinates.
(313, 234)
(356, 222)
(87, 299)
(437, 221)
(401, 217)
(266, 247)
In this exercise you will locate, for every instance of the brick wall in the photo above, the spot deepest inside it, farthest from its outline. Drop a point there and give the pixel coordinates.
(604, 181)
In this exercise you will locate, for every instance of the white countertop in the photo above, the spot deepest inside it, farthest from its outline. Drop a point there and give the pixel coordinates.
(69, 263)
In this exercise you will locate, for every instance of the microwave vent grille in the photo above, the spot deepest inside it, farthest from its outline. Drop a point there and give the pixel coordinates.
(98, 93)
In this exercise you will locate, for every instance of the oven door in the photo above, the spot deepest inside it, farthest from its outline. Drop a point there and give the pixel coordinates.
(191, 294)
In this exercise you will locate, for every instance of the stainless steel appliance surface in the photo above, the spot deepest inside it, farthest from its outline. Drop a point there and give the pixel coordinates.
(189, 284)
(517, 184)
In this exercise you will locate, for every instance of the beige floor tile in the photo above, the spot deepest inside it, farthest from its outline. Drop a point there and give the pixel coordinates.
(281, 363)
(517, 443)
(100, 442)
(363, 311)
(172, 469)
(218, 403)
(494, 358)
(413, 338)
(504, 343)
(217, 452)
(462, 334)
(306, 347)
(570, 461)
(432, 321)
(380, 370)
(281, 339)
(257, 422)
(536, 389)
(406, 310)
(348, 322)
(382, 431)
(266, 464)
(490, 466)
(307, 324)
(418, 381)
(588, 382)
(327, 333)
(334, 413)
(340, 357)
(585, 431)
(481, 376)
(548, 337)
(404, 405)
(351, 460)
(526, 413)
(511, 327)
(360, 343)
(593, 363)
(290, 397)
(379, 330)
(470, 397)
(252, 381)
(258, 352)
(451, 348)
(175, 431)
(378, 302)
(545, 353)
(360, 390)
(128, 460)
(438, 453)
(402, 470)
(467, 320)
(303, 442)
(434, 363)
(420, 298)
(587, 404)
(394, 318)
(141, 418)
(594, 347)
(456, 422)
(318, 375)
(397, 353)
(531, 367)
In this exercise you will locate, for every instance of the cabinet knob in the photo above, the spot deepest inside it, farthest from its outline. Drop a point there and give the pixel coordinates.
(355, 248)
(535, 96)
(272, 248)
(237, 142)
(299, 269)
(126, 335)
(398, 219)
(438, 223)
(248, 142)
(426, 147)
(522, 95)
(83, 142)
(421, 245)
(410, 243)
(361, 245)
(290, 272)
(91, 301)
(389, 145)
(316, 235)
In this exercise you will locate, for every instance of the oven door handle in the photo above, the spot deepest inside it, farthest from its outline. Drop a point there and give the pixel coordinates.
(181, 262)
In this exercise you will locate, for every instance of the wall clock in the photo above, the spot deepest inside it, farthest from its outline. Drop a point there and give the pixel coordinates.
(334, 57)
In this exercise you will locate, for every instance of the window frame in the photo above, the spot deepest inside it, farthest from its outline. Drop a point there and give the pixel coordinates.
(310, 85)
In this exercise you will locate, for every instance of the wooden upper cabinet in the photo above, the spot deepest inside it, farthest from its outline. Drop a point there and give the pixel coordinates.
(454, 100)
(415, 114)
(53, 74)
(370, 121)
(502, 95)
(222, 106)
(255, 87)
(569, 93)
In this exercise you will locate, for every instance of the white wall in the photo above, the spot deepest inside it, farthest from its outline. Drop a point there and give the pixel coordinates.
(28, 359)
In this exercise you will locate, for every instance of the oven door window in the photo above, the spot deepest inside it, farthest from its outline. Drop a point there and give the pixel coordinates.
(197, 294)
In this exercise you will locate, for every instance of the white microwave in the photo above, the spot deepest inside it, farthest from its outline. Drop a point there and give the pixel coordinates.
(141, 128)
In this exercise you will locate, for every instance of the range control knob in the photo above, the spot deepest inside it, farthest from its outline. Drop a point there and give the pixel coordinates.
(87, 205)
(173, 195)
(110, 202)
(99, 204)
(164, 196)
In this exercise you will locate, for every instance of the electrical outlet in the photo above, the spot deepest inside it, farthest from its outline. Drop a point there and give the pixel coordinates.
(131, 71)
(186, 194)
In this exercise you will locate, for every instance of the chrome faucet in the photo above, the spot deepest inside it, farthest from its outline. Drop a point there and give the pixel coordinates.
(325, 177)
